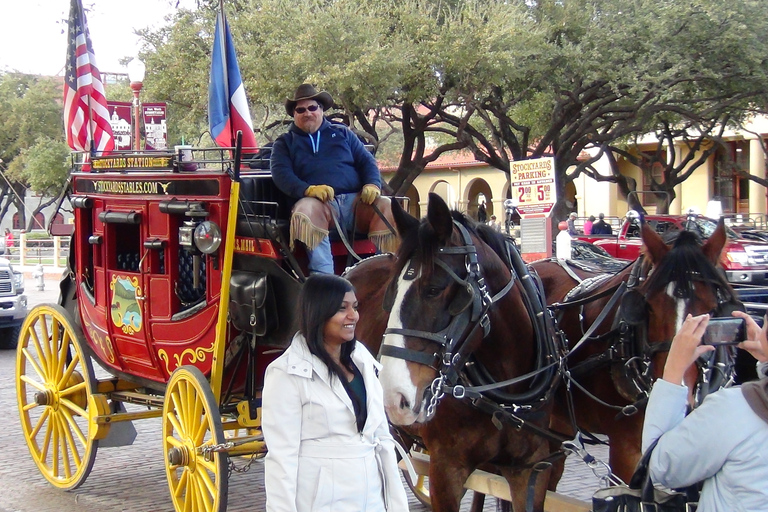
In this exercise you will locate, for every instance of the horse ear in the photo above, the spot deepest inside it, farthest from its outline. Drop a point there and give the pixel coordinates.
(439, 216)
(655, 247)
(714, 245)
(403, 220)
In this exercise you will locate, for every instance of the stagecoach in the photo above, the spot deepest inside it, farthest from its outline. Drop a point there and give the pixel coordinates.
(180, 290)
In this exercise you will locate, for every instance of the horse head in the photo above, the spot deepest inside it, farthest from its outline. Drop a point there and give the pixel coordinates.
(683, 279)
(439, 301)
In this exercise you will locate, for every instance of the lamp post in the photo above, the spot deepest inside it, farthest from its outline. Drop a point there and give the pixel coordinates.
(136, 70)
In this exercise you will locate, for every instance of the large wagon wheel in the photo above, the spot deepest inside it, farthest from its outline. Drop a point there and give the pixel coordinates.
(197, 476)
(419, 488)
(54, 380)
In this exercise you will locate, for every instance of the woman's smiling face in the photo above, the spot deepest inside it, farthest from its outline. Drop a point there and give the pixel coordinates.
(340, 328)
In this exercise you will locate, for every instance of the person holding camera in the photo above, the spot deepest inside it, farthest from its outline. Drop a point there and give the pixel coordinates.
(723, 442)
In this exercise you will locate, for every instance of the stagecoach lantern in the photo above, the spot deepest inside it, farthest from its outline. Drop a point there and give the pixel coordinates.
(207, 237)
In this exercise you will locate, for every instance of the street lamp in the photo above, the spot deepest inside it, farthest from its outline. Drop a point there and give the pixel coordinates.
(136, 70)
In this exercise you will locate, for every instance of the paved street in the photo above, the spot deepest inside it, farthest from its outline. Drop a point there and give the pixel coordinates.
(133, 478)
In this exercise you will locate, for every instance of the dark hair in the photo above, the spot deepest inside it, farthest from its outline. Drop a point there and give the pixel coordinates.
(591, 218)
(319, 300)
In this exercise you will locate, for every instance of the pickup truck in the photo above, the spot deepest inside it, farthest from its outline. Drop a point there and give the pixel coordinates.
(13, 304)
(744, 261)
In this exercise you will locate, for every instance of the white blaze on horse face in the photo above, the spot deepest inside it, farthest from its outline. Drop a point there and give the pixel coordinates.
(400, 393)
(680, 305)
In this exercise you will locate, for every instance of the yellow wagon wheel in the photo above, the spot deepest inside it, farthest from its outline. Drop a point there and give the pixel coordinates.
(420, 487)
(197, 475)
(54, 379)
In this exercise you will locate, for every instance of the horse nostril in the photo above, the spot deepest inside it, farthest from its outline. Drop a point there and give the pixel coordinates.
(404, 404)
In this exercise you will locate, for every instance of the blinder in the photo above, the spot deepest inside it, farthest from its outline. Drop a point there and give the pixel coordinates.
(633, 307)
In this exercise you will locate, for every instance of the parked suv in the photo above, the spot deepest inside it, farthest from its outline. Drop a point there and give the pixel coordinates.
(13, 304)
(744, 261)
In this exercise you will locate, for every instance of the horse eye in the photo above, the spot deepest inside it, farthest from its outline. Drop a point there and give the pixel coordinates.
(433, 291)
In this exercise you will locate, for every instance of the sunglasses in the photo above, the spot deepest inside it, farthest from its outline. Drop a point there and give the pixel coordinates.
(311, 108)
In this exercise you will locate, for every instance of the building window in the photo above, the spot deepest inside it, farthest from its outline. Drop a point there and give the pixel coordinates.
(731, 189)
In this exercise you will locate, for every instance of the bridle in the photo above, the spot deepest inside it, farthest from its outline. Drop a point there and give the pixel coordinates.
(630, 353)
(469, 312)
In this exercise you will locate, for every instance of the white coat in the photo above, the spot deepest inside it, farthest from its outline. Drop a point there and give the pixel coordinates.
(317, 460)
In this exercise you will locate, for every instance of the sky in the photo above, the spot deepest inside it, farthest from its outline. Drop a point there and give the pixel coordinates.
(33, 36)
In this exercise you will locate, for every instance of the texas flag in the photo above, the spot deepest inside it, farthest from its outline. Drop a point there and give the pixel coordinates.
(227, 105)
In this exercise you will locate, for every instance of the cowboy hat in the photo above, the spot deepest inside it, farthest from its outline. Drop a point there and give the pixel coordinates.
(308, 92)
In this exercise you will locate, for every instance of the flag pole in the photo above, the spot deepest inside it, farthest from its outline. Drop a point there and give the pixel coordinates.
(223, 30)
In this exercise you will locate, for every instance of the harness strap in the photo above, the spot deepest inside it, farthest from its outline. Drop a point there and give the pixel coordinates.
(343, 236)
(430, 336)
(383, 217)
(601, 317)
(568, 270)
(409, 355)
(584, 300)
(476, 391)
(626, 410)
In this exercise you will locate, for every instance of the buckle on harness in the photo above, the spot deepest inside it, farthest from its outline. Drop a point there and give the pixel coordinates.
(459, 392)
(629, 410)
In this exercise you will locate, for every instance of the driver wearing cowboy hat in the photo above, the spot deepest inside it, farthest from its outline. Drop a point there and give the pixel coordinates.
(326, 167)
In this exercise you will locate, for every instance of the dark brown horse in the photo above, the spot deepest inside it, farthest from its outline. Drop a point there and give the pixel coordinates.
(455, 296)
(615, 368)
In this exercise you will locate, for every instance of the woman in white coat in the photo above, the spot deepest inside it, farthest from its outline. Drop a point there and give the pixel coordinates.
(323, 417)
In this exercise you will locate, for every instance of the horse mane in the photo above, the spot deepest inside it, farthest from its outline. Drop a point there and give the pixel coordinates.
(423, 242)
(684, 264)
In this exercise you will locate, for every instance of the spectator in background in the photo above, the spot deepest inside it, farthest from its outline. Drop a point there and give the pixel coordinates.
(496, 225)
(8, 240)
(588, 225)
(482, 216)
(572, 224)
(601, 227)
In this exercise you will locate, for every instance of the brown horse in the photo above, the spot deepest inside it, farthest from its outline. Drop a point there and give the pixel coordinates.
(611, 372)
(454, 295)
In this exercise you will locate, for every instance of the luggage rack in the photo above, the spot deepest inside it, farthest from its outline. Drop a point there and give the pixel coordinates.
(181, 161)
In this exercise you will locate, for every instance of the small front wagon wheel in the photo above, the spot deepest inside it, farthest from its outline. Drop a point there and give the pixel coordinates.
(54, 382)
(197, 475)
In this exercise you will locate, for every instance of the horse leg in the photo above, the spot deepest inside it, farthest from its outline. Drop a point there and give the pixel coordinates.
(446, 485)
(519, 483)
(625, 440)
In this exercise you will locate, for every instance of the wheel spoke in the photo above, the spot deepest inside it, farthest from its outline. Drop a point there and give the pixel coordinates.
(199, 436)
(40, 422)
(210, 465)
(34, 364)
(74, 448)
(65, 463)
(69, 404)
(80, 386)
(55, 442)
(62, 383)
(174, 423)
(205, 477)
(55, 345)
(177, 416)
(173, 441)
(205, 490)
(28, 380)
(46, 339)
(74, 426)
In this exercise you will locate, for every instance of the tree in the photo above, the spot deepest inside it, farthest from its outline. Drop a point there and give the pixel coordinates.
(44, 168)
(30, 107)
(507, 80)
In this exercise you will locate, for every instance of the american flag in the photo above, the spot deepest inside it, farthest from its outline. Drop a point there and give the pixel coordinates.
(86, 117)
